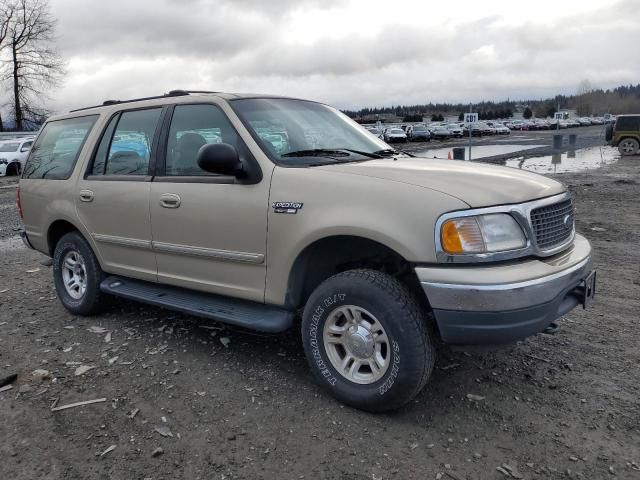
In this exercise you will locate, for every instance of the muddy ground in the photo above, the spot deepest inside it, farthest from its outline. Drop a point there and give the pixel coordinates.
(551, 407)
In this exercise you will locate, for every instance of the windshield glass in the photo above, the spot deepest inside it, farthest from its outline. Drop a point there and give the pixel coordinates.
(9, 147)
(283, 126)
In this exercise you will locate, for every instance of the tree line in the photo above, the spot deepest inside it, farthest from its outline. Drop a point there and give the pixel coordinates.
(29, 63)
(586, 101)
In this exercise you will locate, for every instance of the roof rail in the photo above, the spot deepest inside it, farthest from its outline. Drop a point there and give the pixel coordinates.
(171, 93)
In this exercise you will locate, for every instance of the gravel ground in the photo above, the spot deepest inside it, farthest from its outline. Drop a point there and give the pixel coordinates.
(551, 407)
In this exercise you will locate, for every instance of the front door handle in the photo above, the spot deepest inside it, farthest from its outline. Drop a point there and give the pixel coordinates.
(86, 196)
(169, 200)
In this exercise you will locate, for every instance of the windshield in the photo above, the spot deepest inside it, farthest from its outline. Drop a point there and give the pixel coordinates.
(285, 126)
(9, 147)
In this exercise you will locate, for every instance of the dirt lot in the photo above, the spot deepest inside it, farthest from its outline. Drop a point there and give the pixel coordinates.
(561, 406)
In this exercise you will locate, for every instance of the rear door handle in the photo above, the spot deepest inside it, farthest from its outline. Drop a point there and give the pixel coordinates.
(86, 196)
(169, 200)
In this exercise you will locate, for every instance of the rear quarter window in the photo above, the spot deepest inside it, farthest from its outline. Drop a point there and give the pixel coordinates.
(56, 149)
(628, 123)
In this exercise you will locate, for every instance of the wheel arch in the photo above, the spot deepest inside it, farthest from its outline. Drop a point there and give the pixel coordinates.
(334, 254)
(57, 230)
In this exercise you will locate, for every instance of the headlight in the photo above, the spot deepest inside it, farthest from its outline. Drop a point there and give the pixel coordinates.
(496, 232)
(3, 161)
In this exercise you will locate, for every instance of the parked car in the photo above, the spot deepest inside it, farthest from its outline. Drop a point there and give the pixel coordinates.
(476, 129)
(381, 254)
(13, 155)
(517, 125)
(378, 132)
(625, 134)
(455, 130)
(418, 133)
(486, 129)
(439, 132)
(584, 121)
(500, 128)
(393, 135)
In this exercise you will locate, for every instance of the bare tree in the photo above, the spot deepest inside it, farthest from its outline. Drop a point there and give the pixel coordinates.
(584, 98)
(6, 15)
(34, 65)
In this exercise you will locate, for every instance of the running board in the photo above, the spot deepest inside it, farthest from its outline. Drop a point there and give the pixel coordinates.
(241, 313)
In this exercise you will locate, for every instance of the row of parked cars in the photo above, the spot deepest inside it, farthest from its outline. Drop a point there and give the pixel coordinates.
(437, 131)
(447, 130)
(552, 124)
(13, 155)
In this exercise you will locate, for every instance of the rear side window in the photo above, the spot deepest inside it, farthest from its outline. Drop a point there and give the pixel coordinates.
(628, 123)
(56, 150)
(125, 147)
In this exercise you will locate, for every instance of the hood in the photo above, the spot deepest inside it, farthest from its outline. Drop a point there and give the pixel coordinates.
(477, 184)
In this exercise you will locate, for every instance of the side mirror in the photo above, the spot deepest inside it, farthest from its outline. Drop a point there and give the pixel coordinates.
(220, 158)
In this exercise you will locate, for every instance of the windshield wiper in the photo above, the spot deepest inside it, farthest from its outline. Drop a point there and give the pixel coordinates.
(331, 152)
(389, 152)
(317, 152)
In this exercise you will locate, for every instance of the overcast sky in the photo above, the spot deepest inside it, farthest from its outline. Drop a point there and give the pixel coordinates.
(349, 53)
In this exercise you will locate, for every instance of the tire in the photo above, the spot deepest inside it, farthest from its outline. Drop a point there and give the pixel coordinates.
(628, 146)
(407, 350)
(608, 132)
(86, 298)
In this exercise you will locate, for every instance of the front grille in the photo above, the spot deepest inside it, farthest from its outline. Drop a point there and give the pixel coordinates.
(553, 224)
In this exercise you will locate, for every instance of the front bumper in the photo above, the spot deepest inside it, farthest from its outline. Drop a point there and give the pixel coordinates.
(498, 304)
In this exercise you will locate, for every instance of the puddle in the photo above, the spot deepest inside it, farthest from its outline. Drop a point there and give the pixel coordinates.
(572, 161)
(477, 153)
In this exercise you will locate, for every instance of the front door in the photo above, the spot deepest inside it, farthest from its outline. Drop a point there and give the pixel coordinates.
(209, 231)
(113, 197)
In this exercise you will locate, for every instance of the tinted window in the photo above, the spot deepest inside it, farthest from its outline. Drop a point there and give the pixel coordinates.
(56, 150)
(628, 123)
(125, 147)
(193, 126)
(26, 146)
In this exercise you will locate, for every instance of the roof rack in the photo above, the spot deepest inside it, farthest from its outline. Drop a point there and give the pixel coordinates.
(171, 93)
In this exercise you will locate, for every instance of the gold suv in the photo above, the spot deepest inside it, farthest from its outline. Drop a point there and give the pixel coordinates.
(252, 209)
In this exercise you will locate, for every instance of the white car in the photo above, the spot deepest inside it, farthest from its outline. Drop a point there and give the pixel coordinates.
(13, 155)
(500, 128)
(395, 135)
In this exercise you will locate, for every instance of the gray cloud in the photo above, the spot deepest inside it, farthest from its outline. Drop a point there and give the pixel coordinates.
(123, 48)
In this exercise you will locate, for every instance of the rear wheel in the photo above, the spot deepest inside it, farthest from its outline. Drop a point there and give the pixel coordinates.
(628, 146)
(366, 340)
(77, 275)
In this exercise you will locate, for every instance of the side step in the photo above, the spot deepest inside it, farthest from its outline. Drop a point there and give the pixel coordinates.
(242, 313)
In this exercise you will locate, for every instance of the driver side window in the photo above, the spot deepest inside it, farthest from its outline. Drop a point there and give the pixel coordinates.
(193, 126)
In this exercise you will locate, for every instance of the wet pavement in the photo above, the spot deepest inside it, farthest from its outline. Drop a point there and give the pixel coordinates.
(571, 161)
(477, 152)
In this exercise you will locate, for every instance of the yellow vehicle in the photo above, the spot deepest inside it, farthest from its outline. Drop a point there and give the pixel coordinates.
(625, 134)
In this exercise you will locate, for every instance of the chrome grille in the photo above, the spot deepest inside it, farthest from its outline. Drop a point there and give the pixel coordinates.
(553, 224)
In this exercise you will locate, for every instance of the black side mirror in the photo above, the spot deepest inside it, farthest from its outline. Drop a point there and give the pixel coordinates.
(220, 158)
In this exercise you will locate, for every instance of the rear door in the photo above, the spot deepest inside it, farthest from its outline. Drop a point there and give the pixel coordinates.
(209, 231)
(113, 196)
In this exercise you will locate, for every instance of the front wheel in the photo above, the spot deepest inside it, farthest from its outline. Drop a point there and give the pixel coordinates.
(366, 340)
(628, 146)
